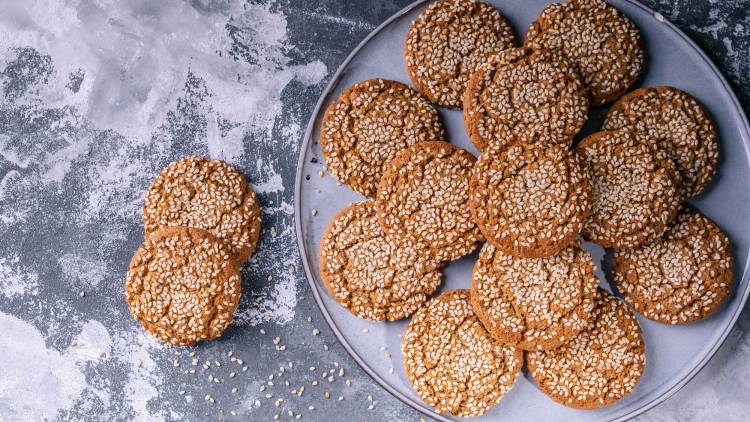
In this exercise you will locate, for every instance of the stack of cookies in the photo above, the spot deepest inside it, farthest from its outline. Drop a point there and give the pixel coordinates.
(201, 221)
(533, 195)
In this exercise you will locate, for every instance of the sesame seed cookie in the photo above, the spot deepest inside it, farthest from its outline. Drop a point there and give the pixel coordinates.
(423, 200)
(182, 285)
(452, 362)
(635, 188)
(530, 200)
(448, 41)
(682, 277)
(368, 124)
(370, 275)
(532, 94)
(603, 44)
(534, 303)
(205, 194)
(679, 124)
(597, 367)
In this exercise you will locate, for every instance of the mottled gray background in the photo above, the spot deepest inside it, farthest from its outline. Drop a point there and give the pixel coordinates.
(74, 166)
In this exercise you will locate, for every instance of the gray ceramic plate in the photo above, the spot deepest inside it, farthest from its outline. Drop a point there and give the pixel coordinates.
(674, 354)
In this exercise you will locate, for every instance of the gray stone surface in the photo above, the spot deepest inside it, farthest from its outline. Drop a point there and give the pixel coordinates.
(97, 96)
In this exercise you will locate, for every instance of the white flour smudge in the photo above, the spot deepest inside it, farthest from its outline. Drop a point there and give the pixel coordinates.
(82, 271)
(15, 280)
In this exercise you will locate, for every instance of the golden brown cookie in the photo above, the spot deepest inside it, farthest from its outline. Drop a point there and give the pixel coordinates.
(530, 200)
(205, 194)
(182, 285)
(368, 124)
(423, 199)
(448, 41)
(603, 44)
(372, 276)
(635, 188)
(680, 126)
(599, 366)
(452, 362)
(523, 93)
(534, 303)
(684, 276)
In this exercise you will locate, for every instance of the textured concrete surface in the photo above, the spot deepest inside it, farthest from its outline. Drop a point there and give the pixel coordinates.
(97, 96)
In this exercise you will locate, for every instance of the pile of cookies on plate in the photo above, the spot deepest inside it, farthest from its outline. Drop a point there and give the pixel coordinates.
(201, 221)
(530, 198)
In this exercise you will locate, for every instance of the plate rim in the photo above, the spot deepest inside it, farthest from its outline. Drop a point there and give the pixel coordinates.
(419, 406)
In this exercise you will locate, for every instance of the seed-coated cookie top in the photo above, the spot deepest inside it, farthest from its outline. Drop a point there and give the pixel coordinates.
(368, 124)
(635, 188)
(205, 194)
(423, 199)
(534, 303)
(530, 200)
(679, 124)
(534, 95)
(603, 44)
(369, 274)
(452, 362)
(597, 367)
(182, 285)
(682, 277)
(447, 43)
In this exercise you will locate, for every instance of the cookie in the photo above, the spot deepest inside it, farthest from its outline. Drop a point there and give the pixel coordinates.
(448, 41)
(534, 303)
(452, 362)
(682, 277)
(635, 189)
(370, 275)
(182, 286)
(423, 200)
(680, 126)
(524, 93)
(530, 200)
(368, 124)
(599, 366)
(603, 44)
(205, 194)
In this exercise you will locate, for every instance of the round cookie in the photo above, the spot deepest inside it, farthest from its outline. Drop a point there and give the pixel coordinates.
(599, 366)
(534, 303)
(182, 286)
(368, 124)
(370, 275)
(452, 362)
(448, 41)
(680, 126)
(602, 43)
(530, 200)
(635, 189)
(531, 94)
(684, 276)
(423, 200)
(205, 194)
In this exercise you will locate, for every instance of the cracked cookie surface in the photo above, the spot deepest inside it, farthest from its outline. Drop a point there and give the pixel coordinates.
(684, 276)
(680, 126)
(205, 194)
(182, 286)
(372, 276)
(530, 200)
(534, 95)
(448, 41)
(603, 44)
(534, 303)
(368, 124)
(635, 188)
(423, 200)
(600, 365)
(452, 362)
